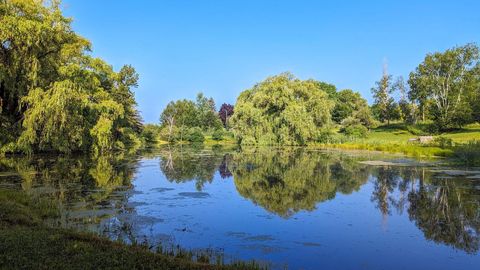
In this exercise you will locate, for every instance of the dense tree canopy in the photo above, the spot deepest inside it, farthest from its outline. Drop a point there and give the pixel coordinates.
(177, 115)
(183, 118)
(448, 84)
(281, 110)
(53, 95)
(207, 113)
(351, 104)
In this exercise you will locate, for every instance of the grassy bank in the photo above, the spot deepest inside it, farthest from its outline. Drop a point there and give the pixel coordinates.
(395, 139)
(460, 145)
(26, 242)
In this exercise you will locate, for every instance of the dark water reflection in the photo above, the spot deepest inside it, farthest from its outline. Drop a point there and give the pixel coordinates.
(302, 208)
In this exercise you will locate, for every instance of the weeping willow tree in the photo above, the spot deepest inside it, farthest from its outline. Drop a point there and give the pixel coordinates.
(54, 96)
(282, 110)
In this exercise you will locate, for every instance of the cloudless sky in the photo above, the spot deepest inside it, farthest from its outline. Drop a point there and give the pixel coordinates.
(223, 47)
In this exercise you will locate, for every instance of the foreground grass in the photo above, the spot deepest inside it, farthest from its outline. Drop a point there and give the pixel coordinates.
(27, 243)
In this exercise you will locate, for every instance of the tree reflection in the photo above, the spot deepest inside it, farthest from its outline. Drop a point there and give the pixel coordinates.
(186, 163)
(81, 185)
(93, 190)
(287, 181)
(387, 179)
(223, 169)
(446, 210)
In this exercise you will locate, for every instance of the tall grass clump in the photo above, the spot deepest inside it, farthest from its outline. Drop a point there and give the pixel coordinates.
(469, 153)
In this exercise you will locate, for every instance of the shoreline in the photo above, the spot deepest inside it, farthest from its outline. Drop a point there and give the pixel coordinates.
(27, 242)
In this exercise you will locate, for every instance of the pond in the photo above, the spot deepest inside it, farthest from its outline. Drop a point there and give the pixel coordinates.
(290, 207)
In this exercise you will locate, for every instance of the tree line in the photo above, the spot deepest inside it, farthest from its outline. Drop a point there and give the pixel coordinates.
(444, 89)
(443, 93)
(56, 97)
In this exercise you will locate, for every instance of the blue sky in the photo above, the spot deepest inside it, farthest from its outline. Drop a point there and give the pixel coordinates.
(223, 47)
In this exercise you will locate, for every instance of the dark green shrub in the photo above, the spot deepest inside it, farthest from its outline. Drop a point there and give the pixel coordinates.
(217, 135)
(469, 153)
(443, 142)
(330, 136)
(358, 131)
(353, 127)
(150, 134)
(195, 135)
(326, 136)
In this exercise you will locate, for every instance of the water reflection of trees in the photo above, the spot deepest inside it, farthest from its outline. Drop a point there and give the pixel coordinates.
(445, 209)
(81, 185)
(186, 163)
(285, 182)
(92, 190)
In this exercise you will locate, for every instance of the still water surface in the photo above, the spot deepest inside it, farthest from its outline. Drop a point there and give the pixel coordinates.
(295, 208)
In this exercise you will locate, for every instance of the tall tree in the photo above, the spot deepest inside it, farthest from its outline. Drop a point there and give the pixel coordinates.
(407, 109)
(446, 80)
(207, 113)
(225, 112)
(384, 103)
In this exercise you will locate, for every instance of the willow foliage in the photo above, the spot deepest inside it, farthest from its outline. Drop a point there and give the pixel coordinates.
(53, 95)
(282, 110)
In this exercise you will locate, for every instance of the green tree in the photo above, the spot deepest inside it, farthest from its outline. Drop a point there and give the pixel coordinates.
(281, 110)
(179, 114)
(207, 114)
(328, 88)
(351, 104)
(384, 104)
(446, 81)
(53, 95)
(408, 109)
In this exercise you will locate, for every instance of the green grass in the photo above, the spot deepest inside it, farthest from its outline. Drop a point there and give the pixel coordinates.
(395, 139)
(27, 243)
(225, 141)
(469, 133)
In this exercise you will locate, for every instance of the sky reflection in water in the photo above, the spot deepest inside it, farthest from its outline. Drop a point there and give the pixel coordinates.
(296, 207)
